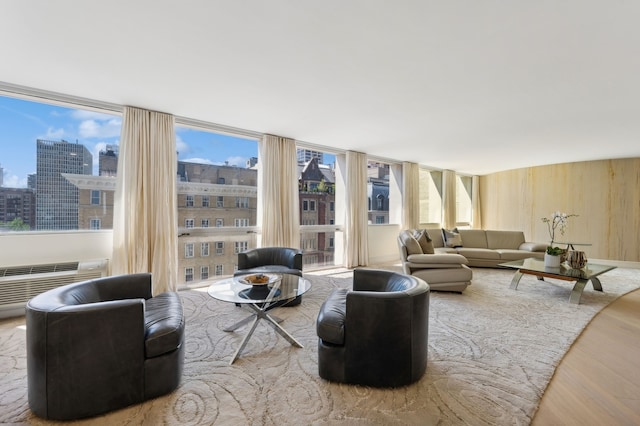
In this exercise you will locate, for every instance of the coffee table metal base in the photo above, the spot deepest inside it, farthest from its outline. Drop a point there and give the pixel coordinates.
(576, 292)
(260, 312)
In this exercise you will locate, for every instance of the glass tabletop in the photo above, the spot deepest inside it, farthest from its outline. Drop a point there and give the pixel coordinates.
(280, 287)
(537, 265)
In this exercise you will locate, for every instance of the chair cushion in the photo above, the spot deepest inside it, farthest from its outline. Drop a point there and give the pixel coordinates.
(331, 318)
(164, 324)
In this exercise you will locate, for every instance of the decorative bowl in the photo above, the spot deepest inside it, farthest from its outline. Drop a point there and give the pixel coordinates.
(258, 279)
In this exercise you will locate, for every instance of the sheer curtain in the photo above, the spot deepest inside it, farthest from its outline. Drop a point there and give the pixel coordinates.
(356, 221)
(410, 195)
(145, 227)
(278, 197)
(476, 220)
(449, 199)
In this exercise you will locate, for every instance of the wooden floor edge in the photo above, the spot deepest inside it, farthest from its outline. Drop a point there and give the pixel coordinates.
(571, 398)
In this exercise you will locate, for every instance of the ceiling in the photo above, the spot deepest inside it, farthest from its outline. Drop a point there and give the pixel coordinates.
(472, 86)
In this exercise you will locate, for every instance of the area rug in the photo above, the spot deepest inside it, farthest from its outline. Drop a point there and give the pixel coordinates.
(492, 352)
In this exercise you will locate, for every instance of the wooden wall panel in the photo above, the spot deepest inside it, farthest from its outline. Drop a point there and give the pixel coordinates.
(605, 194)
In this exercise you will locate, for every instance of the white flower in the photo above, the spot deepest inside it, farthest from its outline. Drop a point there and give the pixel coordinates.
(557, 220)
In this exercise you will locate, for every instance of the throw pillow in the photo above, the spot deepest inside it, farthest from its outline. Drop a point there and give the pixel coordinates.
(411, 244)
(424, 240)
(452, 239)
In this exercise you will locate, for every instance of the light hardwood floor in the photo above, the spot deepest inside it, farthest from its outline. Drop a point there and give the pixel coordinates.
(598, 380)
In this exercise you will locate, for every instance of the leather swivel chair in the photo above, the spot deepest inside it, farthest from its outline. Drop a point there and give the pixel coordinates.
(264, 260)
(101, 345)
(377, 333)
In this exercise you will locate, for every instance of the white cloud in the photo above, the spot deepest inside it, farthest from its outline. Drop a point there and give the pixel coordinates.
(237, 161)
(198, 160)
(80, 114)
(100, 129)
(13, 181)
(54, 134)
(181, 146)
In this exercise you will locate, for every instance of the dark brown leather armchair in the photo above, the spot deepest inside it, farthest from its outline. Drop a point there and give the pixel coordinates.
(100, 345)
(377, 333)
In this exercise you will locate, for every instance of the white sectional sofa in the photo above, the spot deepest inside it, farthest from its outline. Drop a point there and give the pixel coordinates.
(486, 248)
(444, 265)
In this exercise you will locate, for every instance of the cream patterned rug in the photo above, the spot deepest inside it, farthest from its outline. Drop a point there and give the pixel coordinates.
(492, 352)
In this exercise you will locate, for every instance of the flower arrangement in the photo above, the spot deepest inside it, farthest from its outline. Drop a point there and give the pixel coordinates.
(557, 221)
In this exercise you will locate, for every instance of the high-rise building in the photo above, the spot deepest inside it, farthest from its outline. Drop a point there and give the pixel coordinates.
(1, 175)
(306, 155)
(57, 198)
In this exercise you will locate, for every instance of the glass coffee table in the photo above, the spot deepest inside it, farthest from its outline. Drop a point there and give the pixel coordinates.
(581, 276)
(259, 298)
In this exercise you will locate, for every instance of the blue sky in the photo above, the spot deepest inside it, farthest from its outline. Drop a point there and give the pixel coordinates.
(23, 122)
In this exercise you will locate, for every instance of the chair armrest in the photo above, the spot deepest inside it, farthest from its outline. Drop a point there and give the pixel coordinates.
(533, 247)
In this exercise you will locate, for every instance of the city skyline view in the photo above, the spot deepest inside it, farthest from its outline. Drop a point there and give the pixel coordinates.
(23, 122)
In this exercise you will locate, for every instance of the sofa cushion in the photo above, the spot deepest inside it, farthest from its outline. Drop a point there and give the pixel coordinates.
(437, 259)
(436, 237)
(424, 240)
(504, 239)
(451, 238)
(331, 318)
(410, 243)
(164, 324)
(478, 253)
(445, 250)
(475, 238)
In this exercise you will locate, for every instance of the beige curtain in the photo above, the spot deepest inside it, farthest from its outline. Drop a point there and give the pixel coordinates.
(449, 199)
(410, 195)
(278, 197)
(145, 227)
(356, 221)
(476, 220)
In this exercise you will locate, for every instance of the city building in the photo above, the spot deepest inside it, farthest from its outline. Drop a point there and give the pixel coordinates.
(108, 161)
(306, 155)
(316, 184)
(56, 198)
(17, 209)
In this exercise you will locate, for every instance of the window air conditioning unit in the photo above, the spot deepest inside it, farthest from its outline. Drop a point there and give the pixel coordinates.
(18, 284)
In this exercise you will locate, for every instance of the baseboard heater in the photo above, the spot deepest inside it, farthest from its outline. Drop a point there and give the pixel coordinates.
(18, 284)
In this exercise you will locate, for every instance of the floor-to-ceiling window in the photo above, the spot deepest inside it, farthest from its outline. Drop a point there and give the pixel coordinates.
(463, 200)
(430, 197)
(57, 166)
(378, 192)
(217, 200)
(317, 194)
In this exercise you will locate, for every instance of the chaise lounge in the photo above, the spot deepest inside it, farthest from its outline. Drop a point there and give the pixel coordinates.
(442, 271)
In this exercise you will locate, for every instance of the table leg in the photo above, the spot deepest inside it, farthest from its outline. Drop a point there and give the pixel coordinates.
(260, 313)
(597, 285)
(281, 331)
(515, 280)
(245, 340)
(240, 323)
(576, 293)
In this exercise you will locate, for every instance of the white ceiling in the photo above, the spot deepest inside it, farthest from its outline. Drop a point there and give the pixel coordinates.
(472, 86)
